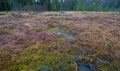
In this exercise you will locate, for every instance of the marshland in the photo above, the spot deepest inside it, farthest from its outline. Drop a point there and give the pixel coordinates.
(58, 40)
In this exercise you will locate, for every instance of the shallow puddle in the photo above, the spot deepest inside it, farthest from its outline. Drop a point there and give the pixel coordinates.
(68, 36)
(83, 65)
(59, 32)
(75, 57)
(103, 59)
(45, 69)
(86, 67)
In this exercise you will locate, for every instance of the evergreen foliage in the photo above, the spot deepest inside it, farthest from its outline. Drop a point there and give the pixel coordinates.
(61, 5)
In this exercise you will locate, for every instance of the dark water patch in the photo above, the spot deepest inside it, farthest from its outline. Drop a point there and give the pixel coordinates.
(45, 69)
(68, 36)
(86, 67)
(75, 57)
(103, 59)
(58, 33)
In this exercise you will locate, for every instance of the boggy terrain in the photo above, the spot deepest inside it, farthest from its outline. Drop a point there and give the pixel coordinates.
(60, 41)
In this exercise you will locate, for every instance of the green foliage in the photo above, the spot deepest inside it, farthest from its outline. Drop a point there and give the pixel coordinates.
(4, 5)
(37, 58)
(67, 5)
(54, 7)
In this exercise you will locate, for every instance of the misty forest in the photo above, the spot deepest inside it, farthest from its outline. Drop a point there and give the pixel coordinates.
(59, 35)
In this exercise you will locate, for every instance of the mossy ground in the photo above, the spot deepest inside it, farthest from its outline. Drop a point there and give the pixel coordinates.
(49, 41)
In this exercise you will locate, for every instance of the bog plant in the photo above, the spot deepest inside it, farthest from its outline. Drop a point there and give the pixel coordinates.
(73, 43)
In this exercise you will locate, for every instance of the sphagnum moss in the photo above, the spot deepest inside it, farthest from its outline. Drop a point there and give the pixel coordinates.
(32, 44)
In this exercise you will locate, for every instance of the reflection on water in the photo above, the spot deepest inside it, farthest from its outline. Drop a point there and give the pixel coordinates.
(86, 67)
(103, 59)
(45, 69)
(69, 36)
(59, 32)
(83, 65)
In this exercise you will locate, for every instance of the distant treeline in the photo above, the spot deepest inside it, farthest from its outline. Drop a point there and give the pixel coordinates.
(59, 5)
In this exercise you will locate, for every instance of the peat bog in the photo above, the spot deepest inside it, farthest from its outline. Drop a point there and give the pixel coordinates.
(57, 41)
